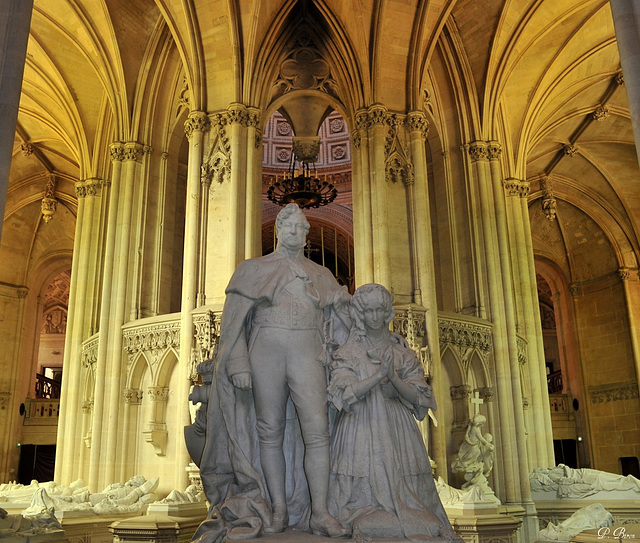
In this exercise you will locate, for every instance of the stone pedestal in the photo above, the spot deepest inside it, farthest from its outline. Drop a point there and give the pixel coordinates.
(155, 528)
(483, 524)
(182, 510)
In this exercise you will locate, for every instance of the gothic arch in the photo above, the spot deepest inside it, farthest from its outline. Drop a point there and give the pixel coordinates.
(328, 40)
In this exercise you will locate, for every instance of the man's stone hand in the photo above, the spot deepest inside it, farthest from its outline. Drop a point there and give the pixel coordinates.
(242, 380)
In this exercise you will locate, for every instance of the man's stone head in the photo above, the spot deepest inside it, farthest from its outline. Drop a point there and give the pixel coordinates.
(292, 227)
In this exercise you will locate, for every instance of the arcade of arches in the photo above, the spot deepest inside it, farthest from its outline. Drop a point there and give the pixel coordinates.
(487, 174)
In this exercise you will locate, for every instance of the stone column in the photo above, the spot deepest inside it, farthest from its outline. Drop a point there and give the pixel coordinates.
(195, 127)
(507, 425)
(253, 212)
(540, 435)
(117, 151)
(626, 21)
(424, 267)
(81, 307)
(494, 151)
(15, 18)
(132, 398)
(361, 189)
(236, 121)
(378, 131)
(116, 368)
(546, 458)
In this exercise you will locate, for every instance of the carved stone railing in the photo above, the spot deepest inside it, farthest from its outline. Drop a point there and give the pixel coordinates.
(41, 412)
(466, 336)
(153, 336)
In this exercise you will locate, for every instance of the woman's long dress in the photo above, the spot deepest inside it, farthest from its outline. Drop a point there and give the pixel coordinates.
(378, 458)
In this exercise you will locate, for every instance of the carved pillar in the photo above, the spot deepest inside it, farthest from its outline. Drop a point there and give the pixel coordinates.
(362, 219)
(626, 21)
(82, 309)
(424, 268)
(115, 373)
(195, 127)
(378, 130)
(504, 249)
(533, 325)
(237, 122)
(253, 212)
(530, 323)
(507, 424)
(112, 310)
(132, 398)
(117, 156)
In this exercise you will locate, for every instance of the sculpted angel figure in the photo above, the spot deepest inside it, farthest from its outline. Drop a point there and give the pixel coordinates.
(475, 457)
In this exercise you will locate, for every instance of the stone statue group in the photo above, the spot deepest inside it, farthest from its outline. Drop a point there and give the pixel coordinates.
(308, 409)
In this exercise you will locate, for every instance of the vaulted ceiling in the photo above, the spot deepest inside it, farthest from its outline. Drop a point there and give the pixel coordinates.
(532, 72)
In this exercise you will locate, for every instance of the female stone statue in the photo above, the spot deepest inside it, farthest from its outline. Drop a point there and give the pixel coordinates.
(475, 457)
(381, 480)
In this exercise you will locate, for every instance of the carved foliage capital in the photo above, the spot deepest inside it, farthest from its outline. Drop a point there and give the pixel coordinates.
(158, 394)
(460, 392)
(494, 150)
(133, 151)
(116, 152)
(516, 187)
(197, 121)
(132, 396)
(417, 122)
(478, 151)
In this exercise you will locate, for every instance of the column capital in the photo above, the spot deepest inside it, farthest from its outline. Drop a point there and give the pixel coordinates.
(478, 151)
(494, 150)
(133, 151)
(90, 186)
(417, 122)
(158, 393)
(196, 121)
(132, 396)
(116, 151)
(516, 187)
(375, 115)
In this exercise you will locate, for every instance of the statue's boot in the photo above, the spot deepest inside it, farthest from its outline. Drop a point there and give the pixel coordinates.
(316, 463)
(327, 525)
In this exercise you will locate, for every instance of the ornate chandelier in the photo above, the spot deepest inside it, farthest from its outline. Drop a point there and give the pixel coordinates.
(301, 186)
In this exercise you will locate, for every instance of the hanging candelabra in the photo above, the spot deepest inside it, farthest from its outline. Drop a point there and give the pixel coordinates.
(301, 185)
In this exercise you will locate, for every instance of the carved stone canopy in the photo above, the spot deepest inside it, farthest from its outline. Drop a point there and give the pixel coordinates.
(306, 149)
(306, 111)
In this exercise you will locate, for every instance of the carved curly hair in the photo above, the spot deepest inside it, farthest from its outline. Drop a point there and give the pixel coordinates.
(370, 291)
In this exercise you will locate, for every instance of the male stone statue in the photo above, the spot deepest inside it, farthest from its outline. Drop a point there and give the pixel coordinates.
(271, 351)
